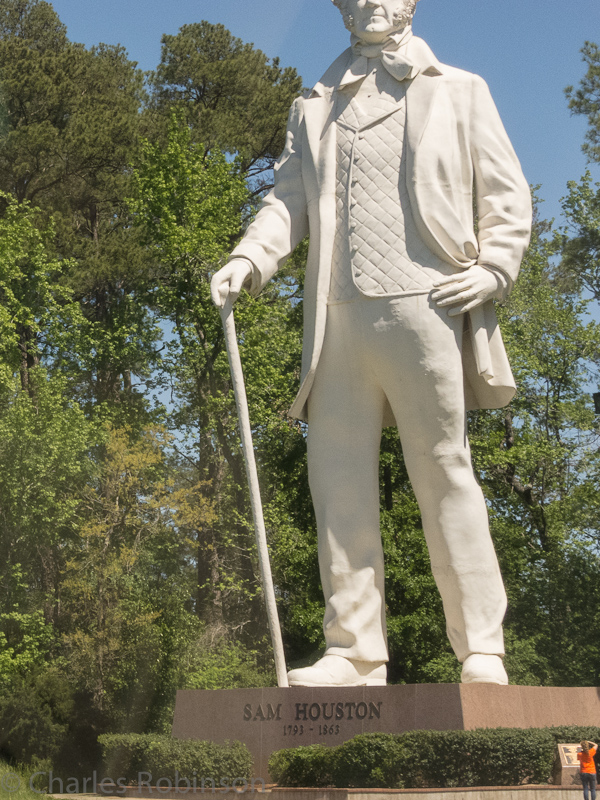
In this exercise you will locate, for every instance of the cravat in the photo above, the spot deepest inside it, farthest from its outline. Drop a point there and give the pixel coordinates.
(392, 54)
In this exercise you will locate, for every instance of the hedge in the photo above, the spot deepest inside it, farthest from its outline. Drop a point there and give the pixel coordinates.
(429, 759)
(128, 755)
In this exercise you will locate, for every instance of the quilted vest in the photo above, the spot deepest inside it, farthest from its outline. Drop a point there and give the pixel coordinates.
(378, 250)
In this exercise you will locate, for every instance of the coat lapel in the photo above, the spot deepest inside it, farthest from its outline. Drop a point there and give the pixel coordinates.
(321, 136)
(419, 103)
(319, 119)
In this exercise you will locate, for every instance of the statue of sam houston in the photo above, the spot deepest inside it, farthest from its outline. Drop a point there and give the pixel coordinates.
(383, 166)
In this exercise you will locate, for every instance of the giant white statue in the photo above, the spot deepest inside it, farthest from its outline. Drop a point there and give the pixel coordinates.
(384, 165)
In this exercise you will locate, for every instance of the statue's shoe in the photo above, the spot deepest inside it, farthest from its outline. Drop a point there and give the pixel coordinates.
(480, 668)
(339, 671)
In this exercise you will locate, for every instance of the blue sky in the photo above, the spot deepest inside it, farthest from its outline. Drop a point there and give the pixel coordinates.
(527, 50)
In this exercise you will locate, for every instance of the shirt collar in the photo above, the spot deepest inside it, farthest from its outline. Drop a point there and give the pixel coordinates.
(394, 42)
(417, 50)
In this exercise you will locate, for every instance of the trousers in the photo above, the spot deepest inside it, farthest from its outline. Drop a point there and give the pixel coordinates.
(588, 780)
(404, 351)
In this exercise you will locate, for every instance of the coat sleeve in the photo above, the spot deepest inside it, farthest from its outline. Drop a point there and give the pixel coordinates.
(282, 221)
(502, 195)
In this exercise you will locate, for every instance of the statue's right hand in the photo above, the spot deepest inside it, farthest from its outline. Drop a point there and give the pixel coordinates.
(228, 281)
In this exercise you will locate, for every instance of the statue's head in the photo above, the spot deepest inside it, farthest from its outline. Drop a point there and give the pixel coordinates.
(374, 20)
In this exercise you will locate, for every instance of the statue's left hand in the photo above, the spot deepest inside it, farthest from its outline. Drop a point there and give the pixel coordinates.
(466, 290)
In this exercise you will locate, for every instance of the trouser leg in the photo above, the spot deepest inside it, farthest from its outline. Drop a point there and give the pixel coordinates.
(410, 352)
(427, 398)
(344, 431)
(588, 780)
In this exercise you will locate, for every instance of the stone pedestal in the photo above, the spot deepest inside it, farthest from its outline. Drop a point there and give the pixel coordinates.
(566, 767)
(272, 719)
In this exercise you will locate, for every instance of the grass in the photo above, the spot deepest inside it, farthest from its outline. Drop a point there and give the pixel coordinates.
(14, 783)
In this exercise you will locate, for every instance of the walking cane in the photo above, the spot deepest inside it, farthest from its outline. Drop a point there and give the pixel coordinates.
(241, 401)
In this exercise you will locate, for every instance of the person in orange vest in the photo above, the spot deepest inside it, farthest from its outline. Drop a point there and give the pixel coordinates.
(587, 768)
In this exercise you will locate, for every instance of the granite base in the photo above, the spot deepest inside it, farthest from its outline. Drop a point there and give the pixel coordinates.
(272, 719)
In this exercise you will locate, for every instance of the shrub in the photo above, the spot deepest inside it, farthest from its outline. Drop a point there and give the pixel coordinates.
(371, 760)
(129, 754)
(429, 759)
(489, 757)
(227, 666)
(303, 766)
(34, 715)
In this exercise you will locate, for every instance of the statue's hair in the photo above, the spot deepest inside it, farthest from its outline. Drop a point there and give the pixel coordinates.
(402, 17)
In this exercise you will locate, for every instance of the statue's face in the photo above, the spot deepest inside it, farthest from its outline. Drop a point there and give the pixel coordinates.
(374, 20)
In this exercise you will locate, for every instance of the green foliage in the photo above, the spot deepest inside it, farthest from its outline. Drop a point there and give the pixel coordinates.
(229, 92)
(37, 312)
(310, 766)
(428, 759)
(35, 711)
(25, 790)
(34, 22)
(71, 112)
(226, 666)
(371, 760)
(31, 639)
(586, 99)
(189, 203)
(128, 755)
(581, 242)
(121, 568)
(44, 441)
(187, 200)
(71, 120)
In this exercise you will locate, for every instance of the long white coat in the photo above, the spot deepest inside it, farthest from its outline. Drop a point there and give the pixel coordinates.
(459, 158)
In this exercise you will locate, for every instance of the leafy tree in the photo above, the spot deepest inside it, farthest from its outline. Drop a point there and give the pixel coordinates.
(581, 241)
(586, 99)
(113, 593)
(71, 119)
(37, 313)
(34, 637)
(43, 436)
(43, 443)
(33, 21)
(35, 711)
(189, 204)
(231, 95)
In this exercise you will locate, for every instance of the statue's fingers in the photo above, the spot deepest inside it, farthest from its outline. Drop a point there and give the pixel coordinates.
(449, 292)
(456, 297)
(469, 306)
(236, 283)
(458, 277)
(215, 293)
